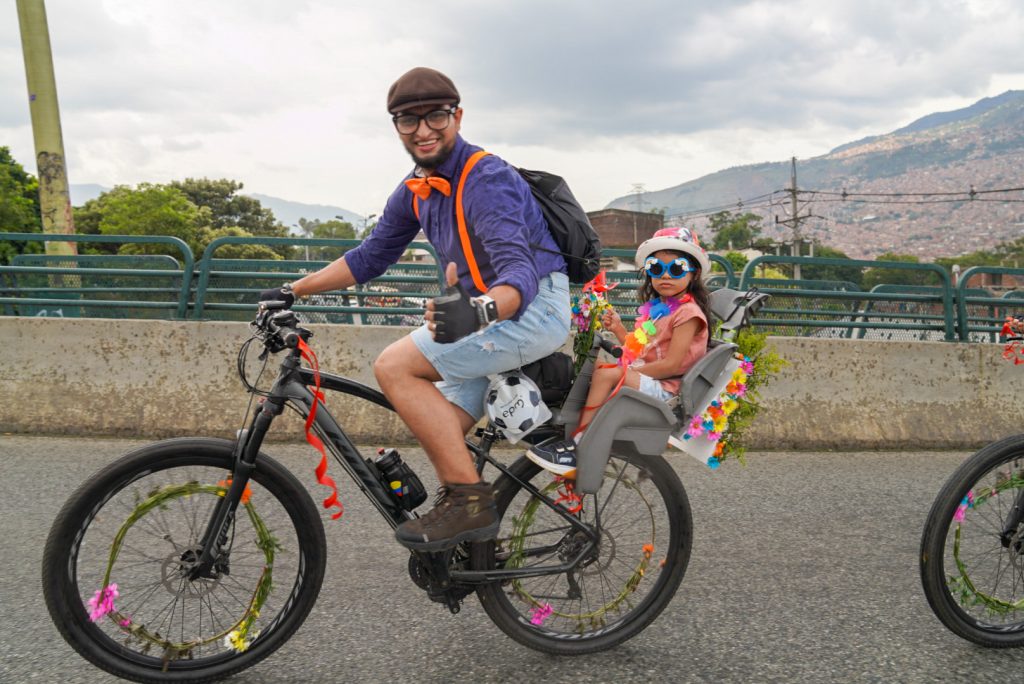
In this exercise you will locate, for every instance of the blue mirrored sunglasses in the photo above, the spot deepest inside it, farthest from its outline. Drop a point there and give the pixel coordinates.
(677, 268)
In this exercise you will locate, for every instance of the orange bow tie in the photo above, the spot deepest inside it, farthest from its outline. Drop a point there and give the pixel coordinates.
(421, 186)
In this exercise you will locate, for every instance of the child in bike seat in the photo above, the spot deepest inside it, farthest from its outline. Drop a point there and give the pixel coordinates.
(670, 336)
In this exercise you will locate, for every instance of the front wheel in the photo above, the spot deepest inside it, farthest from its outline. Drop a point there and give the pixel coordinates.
(972, 556)
(116, 564)
(642, 517)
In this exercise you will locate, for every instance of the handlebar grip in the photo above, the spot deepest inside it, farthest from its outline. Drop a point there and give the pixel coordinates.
(289, 336)
(610, 347)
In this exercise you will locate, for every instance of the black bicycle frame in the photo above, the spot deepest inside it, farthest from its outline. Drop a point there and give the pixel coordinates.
(292, 388)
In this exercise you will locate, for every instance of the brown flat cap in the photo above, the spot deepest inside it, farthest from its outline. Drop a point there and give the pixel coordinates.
(421, 86)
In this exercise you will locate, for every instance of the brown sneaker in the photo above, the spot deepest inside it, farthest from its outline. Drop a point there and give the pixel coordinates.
(461, 513)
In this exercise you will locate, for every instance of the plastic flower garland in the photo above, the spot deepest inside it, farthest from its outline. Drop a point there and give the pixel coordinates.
(713, 422)
(960, 584)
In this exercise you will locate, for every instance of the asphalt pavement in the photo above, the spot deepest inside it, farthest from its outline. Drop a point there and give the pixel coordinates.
(804, 569)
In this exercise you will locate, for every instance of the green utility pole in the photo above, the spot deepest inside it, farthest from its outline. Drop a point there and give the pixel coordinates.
(54, 199)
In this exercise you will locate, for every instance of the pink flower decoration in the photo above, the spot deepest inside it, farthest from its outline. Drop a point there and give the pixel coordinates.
(541, 613)
(959, 515)
(103, 602)
(714, 436)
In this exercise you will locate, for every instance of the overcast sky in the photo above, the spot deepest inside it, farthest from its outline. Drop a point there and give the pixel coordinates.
(287, 96)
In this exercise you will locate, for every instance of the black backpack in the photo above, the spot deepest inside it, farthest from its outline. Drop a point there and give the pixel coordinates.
(576, 239)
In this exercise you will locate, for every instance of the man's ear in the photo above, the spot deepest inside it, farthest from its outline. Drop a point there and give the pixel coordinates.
(458, 117)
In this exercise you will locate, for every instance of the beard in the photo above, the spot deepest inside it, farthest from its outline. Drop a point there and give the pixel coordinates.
(434, 160)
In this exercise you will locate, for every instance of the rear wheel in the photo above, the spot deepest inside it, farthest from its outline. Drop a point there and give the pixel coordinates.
(972, 565)
(645, 529)
(116, 564)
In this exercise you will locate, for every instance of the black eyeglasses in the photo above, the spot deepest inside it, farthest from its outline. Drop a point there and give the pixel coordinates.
(437, 120)
(676, 268)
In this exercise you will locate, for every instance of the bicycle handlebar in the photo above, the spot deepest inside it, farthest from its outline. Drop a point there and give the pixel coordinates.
(278, 326)
(610, 347)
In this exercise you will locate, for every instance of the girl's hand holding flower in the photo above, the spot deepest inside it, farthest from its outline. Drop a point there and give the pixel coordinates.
(612, 322)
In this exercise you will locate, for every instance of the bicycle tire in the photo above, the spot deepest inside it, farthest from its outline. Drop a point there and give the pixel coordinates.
(618, 596)
(975, 585)
(278, 551)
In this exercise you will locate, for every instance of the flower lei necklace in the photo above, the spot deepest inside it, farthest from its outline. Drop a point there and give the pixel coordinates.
(636, 341)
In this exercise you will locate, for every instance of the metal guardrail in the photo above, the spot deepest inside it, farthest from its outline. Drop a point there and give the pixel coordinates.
(378, 301)
(835, 310)
(997, 308)
(227, 288)
(64, 286)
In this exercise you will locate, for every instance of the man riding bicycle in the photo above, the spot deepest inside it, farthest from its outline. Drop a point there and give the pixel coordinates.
(437, 376)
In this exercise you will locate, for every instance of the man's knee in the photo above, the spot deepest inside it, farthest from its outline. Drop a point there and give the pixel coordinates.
(400, 361)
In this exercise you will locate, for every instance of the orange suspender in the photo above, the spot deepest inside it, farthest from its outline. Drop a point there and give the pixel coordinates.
(460, 217)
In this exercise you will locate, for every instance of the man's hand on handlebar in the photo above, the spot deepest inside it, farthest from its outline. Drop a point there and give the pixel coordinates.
(281, 294)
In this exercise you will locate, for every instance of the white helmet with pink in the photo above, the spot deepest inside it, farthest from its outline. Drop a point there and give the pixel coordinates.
(678, 240)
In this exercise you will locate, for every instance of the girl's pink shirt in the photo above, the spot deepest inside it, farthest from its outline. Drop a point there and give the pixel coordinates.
(657, 348)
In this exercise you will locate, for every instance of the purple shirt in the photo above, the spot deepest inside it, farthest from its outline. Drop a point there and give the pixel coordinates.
(503, 219)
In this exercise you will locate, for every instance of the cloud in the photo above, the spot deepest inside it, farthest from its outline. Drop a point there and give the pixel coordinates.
(289, 97)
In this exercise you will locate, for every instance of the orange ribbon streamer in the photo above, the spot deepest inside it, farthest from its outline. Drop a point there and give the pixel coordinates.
(321, 470)
(421, 186)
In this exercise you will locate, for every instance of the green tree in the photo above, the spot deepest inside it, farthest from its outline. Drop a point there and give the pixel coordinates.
(342, 230)
(852, 274)
(892, 276)
(19, 206)
(734, 231)
(152, 209)
(207, 235)
(228, 209)
(738, 261)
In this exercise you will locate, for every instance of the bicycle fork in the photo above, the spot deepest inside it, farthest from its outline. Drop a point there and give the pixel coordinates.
(1011, 534)
(210, 563)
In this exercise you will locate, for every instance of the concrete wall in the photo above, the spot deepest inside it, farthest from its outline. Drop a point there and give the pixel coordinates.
(165, 378)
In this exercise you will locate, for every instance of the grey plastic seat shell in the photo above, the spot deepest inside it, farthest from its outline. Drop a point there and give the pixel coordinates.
(632, 422)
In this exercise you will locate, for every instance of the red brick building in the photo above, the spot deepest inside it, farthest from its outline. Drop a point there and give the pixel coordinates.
(624, 229)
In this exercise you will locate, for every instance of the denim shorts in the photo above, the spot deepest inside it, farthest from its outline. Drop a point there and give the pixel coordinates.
(652, 388)
(465, 364)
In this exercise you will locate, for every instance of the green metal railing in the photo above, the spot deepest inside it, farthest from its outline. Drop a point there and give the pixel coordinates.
(808, 307)
(397, 297)
(981, 313)
(158, 285)
(81, 285)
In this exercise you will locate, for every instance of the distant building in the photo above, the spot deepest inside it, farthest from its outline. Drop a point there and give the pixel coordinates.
(624, 229)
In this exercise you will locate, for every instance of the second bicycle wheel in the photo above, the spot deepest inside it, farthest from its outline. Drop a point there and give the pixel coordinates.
(972, 557)
(645, 530)
(116, 564)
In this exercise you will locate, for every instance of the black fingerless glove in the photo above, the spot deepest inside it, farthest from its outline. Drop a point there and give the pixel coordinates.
(279, 294)
(455, 316)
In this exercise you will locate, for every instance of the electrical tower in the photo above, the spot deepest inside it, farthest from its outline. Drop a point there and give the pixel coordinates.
(795, 217)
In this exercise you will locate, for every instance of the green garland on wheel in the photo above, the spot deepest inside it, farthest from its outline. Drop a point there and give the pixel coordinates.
(961, 583)
(517, 541)
(237, 635)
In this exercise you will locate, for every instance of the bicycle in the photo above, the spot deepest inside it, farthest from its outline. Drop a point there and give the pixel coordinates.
(972, 547)
(191, 559)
